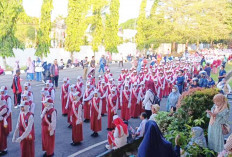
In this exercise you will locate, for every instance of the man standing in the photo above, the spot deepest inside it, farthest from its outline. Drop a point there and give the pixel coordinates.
(102, 64)
(92, 64)
(85, 66)
(25, 130)
(48, 117)
(17, 89)
(54, 72)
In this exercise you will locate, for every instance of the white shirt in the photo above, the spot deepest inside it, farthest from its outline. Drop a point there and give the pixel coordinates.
(147, 100)
(141, 128)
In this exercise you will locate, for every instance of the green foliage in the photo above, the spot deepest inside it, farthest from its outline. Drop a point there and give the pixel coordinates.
(190, 113)
(111, 39)
(129, 24)
(43, 35)
(9, 12)
(77, 24)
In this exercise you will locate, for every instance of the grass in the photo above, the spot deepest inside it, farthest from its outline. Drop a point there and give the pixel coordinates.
(228, 69)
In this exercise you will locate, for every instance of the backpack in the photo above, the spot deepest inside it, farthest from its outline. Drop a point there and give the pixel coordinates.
(156, 99)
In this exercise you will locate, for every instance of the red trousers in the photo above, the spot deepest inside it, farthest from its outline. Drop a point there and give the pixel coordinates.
(27, 148)
(3, 136)
(48, 142)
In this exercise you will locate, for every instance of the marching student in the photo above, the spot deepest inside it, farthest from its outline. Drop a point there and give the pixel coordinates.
(48, 125)
(69, 103)
(134, 101)
(4, 131)
(45, 94)
(7, 98)
(80, 86)
(51, 89)
(124, 102)
(112, 107)
(76, 118)
(27, 87)
(25, 98)
(141, 96)
(86, 100)
(103, 89)
(64, 96)
(25, 131)
(96, 107)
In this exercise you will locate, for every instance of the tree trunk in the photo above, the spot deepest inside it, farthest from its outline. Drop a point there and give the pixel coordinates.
(198, 44)
(72, 59)
(173, 47)
(186, 45)
(211, 43)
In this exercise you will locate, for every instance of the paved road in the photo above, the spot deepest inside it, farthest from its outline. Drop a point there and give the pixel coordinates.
(63, 134)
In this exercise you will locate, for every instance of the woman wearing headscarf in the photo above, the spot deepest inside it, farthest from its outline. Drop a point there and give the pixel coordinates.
(118, 137)
(219, 116)
(227, 148)
(38, 69)
(149, 98)
(30, 69)
(198, 137)
(173, 98)
(154, 144)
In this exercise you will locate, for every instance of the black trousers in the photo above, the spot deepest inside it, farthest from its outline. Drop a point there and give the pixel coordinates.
(17, 99)
(55, 80)
(148, 112)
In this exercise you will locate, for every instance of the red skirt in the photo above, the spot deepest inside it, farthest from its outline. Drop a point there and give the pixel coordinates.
(110, 119)
(9, 121)
(3, 136)
(134, 108)
(86, 110)
(77, 133)
(63, 102)
(48, 142)
(96, 125)
(104, 105)
(125, 111)
(27, 148)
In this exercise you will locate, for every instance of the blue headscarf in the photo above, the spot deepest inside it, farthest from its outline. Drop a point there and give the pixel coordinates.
(173, 98)
(154, 144)
(198, 137)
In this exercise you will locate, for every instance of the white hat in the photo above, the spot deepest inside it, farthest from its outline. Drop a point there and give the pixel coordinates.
(103, 82)
(24, 103)
(3, 88)
(114, 89)
(24, 94)
(95, 91)
(48, 100)
(126, 85)
(115, 117)
(135, 84)
(26, 84)
(88, 84)
(79, 77)
(99, 76)
(65, 79)
(76, 94)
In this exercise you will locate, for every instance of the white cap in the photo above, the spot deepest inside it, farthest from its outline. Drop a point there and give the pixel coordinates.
(115, 117)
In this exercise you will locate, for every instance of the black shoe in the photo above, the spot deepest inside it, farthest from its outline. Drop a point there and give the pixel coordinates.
(64, 115)
(70, 126)
(3, 153)
(108, 129)
(93, 134)
(86, 120)
(50, 155)
(45, 154)
(102, 115)
(75, 144)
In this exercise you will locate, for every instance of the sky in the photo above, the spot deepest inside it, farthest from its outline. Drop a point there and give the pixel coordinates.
(129, 9)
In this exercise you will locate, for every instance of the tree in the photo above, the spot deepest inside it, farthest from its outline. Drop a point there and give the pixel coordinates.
(111, 39)
(76, 23)
(9, 12)
(43, 34)
(97, 24)
(129, 24)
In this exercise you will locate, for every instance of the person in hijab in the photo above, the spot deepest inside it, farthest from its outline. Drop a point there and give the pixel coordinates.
(195, 83)
(198, 137)
(173, 98)
(227, 148)
(218, 115)
(211, 82)
(38, 69)
(224, 87)
(30, 69)
(118, 137)
(154, 144)
(203, 80)
(180, 81)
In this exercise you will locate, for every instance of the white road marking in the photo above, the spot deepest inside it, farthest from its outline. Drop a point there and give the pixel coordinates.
(88, 148)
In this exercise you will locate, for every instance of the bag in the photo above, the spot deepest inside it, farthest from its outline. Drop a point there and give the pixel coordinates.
(225, 129)
(156, 99)
(229, 96)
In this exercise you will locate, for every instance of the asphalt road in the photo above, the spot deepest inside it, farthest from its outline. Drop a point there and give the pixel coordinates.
(63, 134)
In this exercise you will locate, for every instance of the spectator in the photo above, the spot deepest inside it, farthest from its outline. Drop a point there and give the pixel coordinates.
(154, 110)
(180, 81)
(102, 64)
(38, 69)
(203, 80)
(118, 137)
(54, 73)
(219, 116)
(227, 148)
(198, 137)
(203, 61)
(30, 69)
(140, 130)
(208, 69)
(1, 71)
(173, 98)
(17, 89)
(121, 60)
(224, 87)
(85, 66)
(211, 82)
(16, 67)
(69, 63)
(195, 83)
(154, 144)
(224, 61)
(150, 98)
(222, 73)
(61, 66)
(92, 65)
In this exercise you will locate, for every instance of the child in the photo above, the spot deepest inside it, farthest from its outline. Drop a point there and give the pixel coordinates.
(154, 109)
(141, 129)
